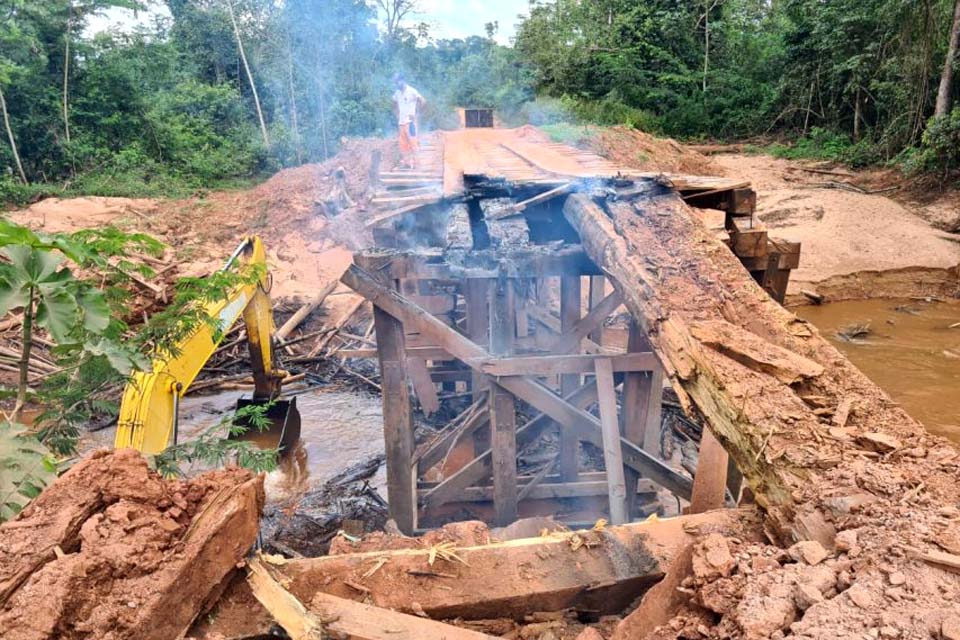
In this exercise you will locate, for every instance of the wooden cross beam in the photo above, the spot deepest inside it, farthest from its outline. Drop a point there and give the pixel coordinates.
(585, 425)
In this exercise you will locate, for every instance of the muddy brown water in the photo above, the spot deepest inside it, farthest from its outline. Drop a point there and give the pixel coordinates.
(338, 429)
(911, 351)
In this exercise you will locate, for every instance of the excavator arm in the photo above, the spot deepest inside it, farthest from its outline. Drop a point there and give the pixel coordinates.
(148, 411)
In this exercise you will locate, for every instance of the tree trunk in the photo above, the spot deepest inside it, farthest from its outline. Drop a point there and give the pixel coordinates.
(246, 67)
(856, 117)
(66, 75)
(27, 337)
(294, 116)
(706, 47)
(945, 93)
(13, 142)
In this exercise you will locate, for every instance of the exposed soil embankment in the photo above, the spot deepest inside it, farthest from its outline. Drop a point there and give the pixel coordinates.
(111, 550)
(854, 244)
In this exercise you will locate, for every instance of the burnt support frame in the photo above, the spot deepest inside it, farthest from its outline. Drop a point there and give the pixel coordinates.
(508, 377)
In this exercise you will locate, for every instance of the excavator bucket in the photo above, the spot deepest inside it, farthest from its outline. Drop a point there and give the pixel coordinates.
(284, 430)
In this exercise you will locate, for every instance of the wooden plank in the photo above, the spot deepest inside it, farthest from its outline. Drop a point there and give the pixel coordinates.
(612, 456)
(499, 580)
(426, 353)
(503, 412)
(555, 365)
(545, 490)
(423, 385)
(397, 421)
(597, 293)
(476, 293)
(289, 612)
(710, 481)
(519, 207)
(586, 426)
(359, 621)
(569, 341)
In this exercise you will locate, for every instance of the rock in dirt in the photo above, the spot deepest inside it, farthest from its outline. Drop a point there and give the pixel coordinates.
(950, 628)
(806, 596)
(589, 633)
(879, 442)
(808, 551)
(139, 556)
(712, 558)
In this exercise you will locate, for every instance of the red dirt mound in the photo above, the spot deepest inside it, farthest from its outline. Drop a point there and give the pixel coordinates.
(111, 550)
(633, 148)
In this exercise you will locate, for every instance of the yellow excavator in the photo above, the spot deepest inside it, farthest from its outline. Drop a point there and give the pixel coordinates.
(149, 410)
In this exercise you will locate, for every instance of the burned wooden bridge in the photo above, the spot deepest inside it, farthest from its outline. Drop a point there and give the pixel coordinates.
(483, 293)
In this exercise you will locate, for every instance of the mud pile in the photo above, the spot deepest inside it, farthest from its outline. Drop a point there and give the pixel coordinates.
(633, 148)
(111, 550)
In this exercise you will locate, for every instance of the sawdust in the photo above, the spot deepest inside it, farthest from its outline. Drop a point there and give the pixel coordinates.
(111, 550)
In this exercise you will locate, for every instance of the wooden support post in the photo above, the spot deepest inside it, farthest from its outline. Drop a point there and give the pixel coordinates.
(710, 481)
(397, 421)
(476, 293)
(503, 412)
(570, 305)
(612, 455)
(597, 286)
(636, 395)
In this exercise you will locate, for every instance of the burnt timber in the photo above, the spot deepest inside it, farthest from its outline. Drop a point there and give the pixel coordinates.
(473, 249)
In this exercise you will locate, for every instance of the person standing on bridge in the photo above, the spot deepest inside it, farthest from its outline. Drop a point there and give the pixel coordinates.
(407, 103)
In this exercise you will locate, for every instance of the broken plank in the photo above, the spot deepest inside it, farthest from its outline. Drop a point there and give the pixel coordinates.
(499, 580)
(282, 606)
(519, 207)
(359, 621)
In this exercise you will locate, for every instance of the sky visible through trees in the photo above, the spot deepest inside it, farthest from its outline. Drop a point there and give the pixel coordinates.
(204, 92)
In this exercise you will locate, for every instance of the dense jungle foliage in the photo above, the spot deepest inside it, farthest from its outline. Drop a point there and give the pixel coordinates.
(228, 90)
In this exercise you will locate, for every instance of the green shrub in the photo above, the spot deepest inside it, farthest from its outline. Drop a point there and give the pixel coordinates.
(940, 148)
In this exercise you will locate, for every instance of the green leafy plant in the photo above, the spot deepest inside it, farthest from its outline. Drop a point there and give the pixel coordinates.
(26, 467)
(220, 445)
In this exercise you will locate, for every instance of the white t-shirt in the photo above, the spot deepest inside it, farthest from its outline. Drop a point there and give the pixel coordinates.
(406, 100)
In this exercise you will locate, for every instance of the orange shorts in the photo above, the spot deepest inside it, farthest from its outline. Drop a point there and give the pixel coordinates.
(408, 142)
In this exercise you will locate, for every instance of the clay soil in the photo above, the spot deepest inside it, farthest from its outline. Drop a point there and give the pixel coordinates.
(112, 551)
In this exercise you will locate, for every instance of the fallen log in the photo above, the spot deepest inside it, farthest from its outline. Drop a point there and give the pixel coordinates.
(882, 474)
(305, 311)
(599, 570)
(111, 550)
